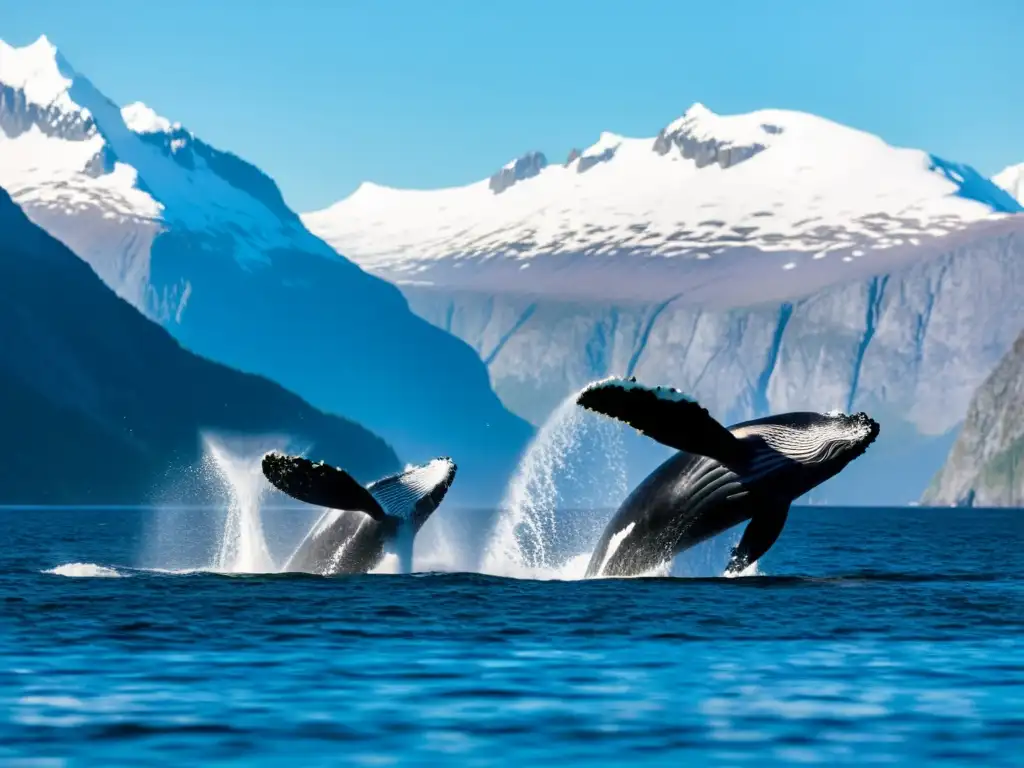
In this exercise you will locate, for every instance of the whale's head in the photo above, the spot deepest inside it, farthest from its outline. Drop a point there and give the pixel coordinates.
(843, 436)
(815, 446)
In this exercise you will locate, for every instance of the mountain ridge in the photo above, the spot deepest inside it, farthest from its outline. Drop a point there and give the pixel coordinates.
(796, 201)
(101, 405)
(203, 243)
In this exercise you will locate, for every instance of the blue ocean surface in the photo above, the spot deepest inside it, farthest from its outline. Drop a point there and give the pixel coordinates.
(867, 635)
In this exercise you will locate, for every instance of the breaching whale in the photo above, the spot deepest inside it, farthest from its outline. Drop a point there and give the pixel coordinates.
(360, 523)
(720, 478)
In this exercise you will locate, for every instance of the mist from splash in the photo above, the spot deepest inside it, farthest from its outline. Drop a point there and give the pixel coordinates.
(223, 530)
(235, 536)
(243, 545)
(550, 518)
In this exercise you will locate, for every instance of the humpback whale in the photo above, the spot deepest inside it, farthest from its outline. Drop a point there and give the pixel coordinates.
(360, 522)
(720, 477)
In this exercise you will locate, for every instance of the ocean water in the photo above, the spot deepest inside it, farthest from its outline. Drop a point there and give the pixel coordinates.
(865, 635)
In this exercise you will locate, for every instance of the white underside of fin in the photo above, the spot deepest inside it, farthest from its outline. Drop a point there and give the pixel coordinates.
(399, 494)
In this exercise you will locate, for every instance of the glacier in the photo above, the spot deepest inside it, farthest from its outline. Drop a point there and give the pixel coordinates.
(762, 262)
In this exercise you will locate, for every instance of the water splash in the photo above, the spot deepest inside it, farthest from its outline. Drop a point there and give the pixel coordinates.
(552, 513)
(85, 571)
(243, 546)
(710, 558)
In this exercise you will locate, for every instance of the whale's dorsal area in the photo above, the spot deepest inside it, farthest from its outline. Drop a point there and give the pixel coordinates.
(666, 415)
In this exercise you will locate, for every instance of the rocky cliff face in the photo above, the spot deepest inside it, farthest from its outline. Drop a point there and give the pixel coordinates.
(525, 167)
(986, 464)
(693, 142)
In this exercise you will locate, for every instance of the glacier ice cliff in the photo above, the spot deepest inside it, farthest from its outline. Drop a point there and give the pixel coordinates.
(909, 347)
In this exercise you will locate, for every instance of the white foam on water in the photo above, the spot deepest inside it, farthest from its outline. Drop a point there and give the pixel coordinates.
(750, 570)
(390, 563)
(85, 571)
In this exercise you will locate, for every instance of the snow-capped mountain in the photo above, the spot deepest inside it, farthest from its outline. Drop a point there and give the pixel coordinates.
(203, 242)
(728, 210)
(764, 262)
(67, 149)
(1012, 180)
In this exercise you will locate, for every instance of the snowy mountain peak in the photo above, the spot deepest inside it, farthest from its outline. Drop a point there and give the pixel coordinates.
(66, 148)
(1012, 180)
(39, 71)
(697, 110)
(141, 119)
(525, 167)
(788, 200)
(607, 140)
(703, 123)
(706, 138)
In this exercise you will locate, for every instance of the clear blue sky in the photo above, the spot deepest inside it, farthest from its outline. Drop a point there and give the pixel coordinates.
(427, 93)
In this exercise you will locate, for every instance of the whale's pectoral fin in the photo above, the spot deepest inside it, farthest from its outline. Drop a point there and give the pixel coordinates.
(762, 532)
(413, 494)
(319, 484)
(665, 415)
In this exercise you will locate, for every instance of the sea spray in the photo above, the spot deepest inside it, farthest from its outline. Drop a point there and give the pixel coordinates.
(570, 478)
(210, 517)
(442, 544)
(243, 546)
(710, 558)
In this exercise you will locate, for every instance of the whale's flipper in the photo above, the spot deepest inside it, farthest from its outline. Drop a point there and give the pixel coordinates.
(413, 494)
(762, 531)
(320, 484)
(665, 415)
